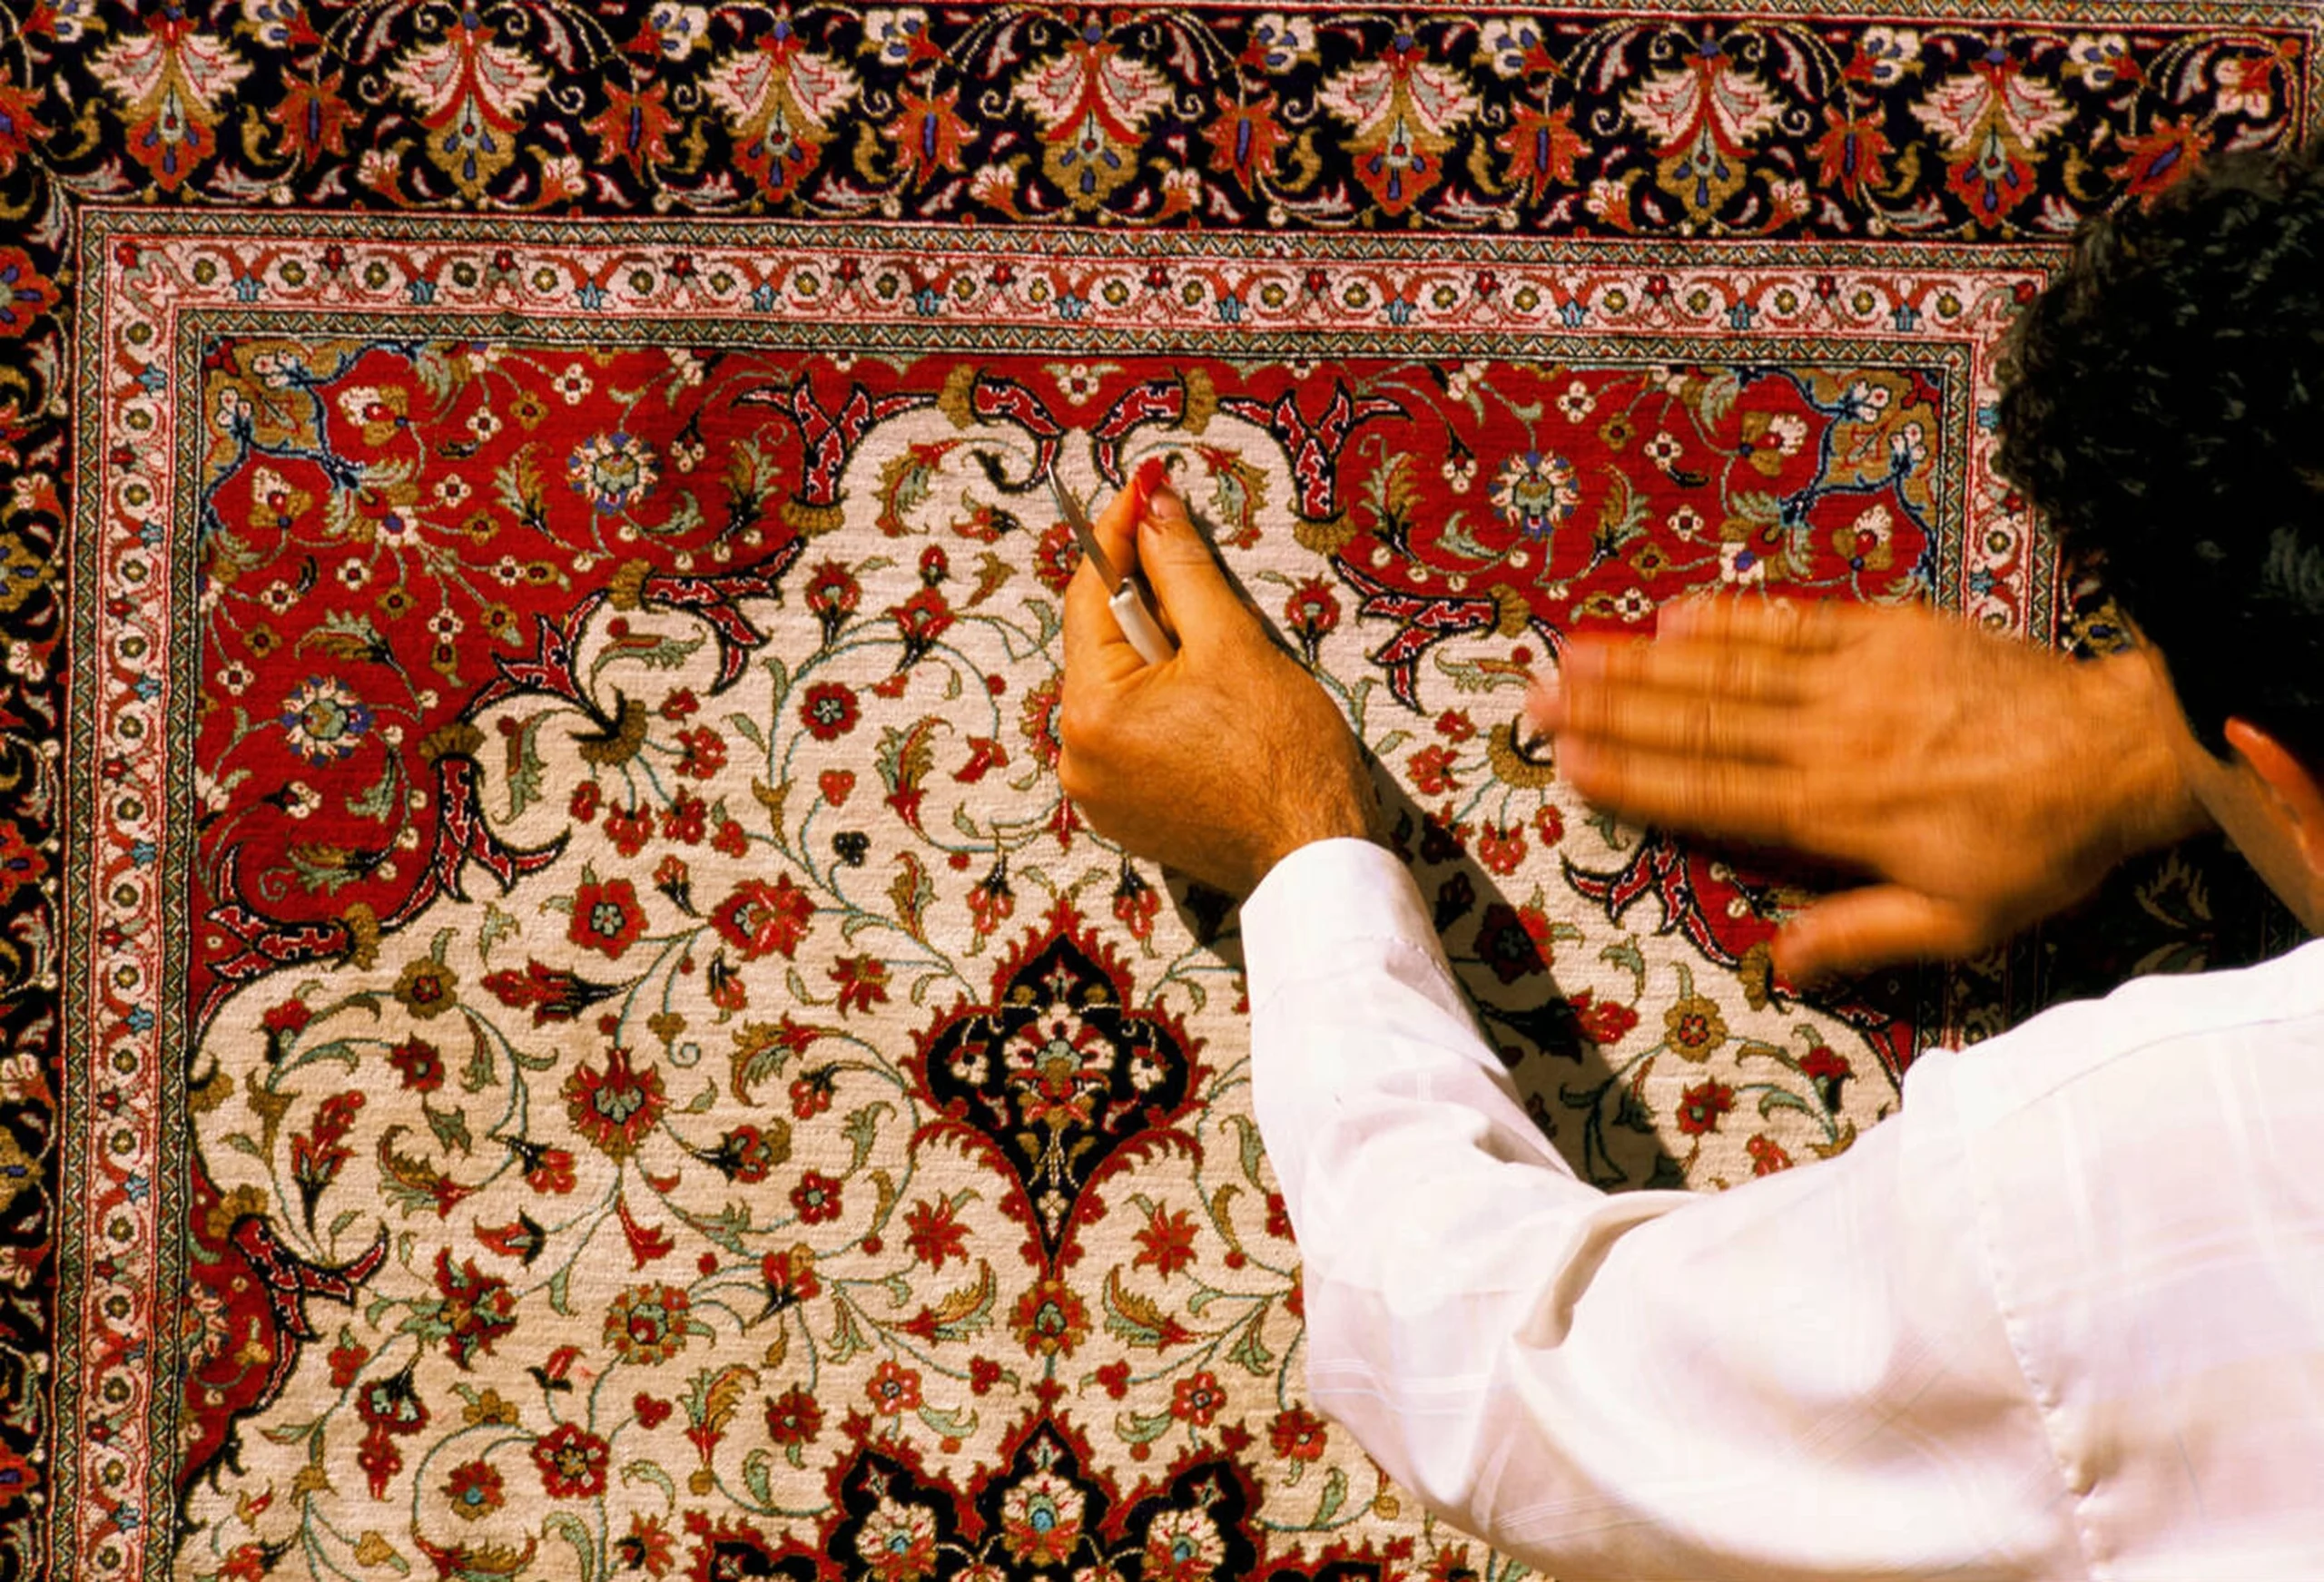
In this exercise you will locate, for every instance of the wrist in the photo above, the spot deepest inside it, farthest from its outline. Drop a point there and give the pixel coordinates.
(2151, 804)
(1348, 813)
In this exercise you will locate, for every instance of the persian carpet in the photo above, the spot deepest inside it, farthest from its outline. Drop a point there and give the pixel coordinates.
(559, 1025)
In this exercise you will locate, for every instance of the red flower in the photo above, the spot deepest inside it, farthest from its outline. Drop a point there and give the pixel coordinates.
(346, 1361)
(862, 982)
(1701, 1105)
(634, 127)
(1824, 1064)
(760, 917)
(932, 1233)
(1049, 1318)
(1827, 1069)
(585, 798)
(928, 135)
(1055, 557)
(1511, 942)
(811, 1092)
(704, 752)
(1602, 1022)
(830, 710)
(647, 1547)
(289, 1017)
(1037, 722)
(248, 1563)
(314, 118)
(1136, 903)
(477, 1309)
(833, 594)
(1196, 1400)
(550, 1172)
(421, 1063)
(681, 704)
(1297, 1434)
(615, 1109)
(572, 1461)
(747, 1155)
(1167, 1241)
(730, 841)
(19, 128)
(1312, 612)
(990, 901)
(629, 829)
(792, 1418)
(816, 1197)
(685, 818)
(921, 620)
(1244, 140)
(1454, 725)
(1541, 146)
(789, 1278)
(894, 1391)
(1501, 849)
(1431, 769)
(607, 918)
(24, 292)
(1766, 1154)
(475, 1490)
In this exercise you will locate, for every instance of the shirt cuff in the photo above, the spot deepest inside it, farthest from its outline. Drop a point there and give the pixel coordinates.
(1323, 898)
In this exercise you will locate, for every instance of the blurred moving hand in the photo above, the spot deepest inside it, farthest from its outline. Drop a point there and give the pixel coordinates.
(1222, 760)
(1979, 783)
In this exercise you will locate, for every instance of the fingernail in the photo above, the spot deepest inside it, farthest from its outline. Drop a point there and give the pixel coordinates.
(1164, 501)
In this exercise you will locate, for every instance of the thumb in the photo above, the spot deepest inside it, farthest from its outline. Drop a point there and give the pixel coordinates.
(1194, 593)
(1879, 925)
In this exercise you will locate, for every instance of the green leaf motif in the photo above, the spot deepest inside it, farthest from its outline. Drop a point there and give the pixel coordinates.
(568, 1527)
(525, 767)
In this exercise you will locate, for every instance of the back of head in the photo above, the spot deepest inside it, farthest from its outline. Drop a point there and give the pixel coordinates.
(2163, 403)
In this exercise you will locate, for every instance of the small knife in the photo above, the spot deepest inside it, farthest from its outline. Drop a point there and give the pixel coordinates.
(1130, 598)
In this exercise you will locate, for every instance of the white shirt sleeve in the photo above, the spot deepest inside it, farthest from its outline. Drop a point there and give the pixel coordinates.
(1804, 1376)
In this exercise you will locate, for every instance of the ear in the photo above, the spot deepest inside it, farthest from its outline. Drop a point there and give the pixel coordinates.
(2295, 786)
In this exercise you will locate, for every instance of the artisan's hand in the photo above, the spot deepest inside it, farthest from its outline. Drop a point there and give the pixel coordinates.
(1220, 760)
(1982, 783)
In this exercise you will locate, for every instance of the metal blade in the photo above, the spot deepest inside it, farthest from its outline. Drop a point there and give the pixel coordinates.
(1079, 520)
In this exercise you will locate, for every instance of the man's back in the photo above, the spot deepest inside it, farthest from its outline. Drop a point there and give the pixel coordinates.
(2063, 1315)
(2144, 1172)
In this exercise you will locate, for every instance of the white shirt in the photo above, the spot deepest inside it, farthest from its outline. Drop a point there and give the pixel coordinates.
(2064, 1316)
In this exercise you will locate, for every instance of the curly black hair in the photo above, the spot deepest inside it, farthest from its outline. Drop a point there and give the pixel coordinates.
(2163, 403)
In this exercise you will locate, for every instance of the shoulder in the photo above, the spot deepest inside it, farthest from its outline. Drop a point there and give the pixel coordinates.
(2272, 1013)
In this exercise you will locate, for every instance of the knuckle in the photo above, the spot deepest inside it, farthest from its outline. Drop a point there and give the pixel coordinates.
(1078, 723)
(1072, 779)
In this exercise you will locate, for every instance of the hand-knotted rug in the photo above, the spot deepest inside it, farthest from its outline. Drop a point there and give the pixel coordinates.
(559, 1025)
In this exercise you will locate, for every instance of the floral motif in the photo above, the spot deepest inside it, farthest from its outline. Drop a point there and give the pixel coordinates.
(1536, 492)
(572, 1462)
(617, 1108)
(613, 472)
(898, 1542)
(322, 721)
(1041, 1517)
